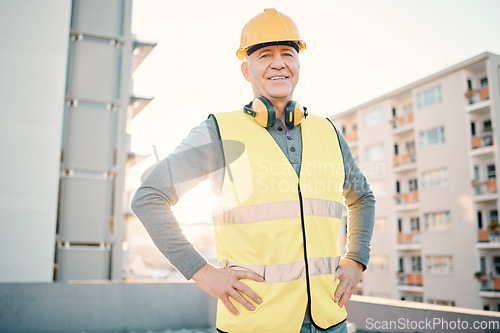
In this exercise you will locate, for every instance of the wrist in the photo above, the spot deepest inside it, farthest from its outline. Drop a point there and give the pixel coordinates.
(200, 272)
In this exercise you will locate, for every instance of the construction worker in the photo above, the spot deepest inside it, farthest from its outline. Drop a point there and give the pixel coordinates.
(283, 176)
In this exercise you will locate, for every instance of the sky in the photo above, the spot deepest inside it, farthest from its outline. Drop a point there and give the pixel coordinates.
(356, 51)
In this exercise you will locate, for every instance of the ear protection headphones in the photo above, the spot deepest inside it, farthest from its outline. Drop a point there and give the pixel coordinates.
(264, 113)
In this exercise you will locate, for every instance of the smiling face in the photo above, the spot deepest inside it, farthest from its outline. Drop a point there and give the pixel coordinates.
(273, 72)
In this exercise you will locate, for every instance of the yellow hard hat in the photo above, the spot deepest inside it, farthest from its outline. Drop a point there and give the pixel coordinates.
(271, 27)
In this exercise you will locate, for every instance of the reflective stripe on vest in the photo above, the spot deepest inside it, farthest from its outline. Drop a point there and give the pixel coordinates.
(289, 272)
(279, 210)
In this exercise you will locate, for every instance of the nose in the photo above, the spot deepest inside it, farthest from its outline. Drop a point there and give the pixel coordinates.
(278, 62)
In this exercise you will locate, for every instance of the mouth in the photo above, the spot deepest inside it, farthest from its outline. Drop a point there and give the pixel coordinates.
(277, 78)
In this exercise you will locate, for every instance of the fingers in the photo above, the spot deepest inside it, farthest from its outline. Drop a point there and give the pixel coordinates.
(248, 275)
(240, 299)
(346, 296)
(227, 303)
(247, 291)
(340, 290)
(237, 289)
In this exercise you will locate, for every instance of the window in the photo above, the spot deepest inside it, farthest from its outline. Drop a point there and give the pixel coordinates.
(374, 153)
(441, 302)
(437, 221)
(469, 84)
(482, 265)
(434, 179)
(416, 298)
(487, 125)
(432, 137)
(496, 265)
(401, 264)
(343, 129)
(490, 170)
(400, 225)
(476, 173)
(416, 264)
(439, 264)
(415, 224)
(373, 117)
(410, 147)
(407, 109)
(483, 82)
(493, 215)
(429, 97)
(412, 185)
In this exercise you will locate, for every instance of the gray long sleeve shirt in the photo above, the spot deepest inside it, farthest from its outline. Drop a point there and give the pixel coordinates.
(200, 157)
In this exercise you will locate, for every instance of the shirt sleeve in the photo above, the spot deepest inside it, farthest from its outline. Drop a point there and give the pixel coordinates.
(360, 203)
(197, 158)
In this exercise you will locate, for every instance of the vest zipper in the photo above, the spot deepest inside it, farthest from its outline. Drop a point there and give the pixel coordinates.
(307, 265)
(305, 254)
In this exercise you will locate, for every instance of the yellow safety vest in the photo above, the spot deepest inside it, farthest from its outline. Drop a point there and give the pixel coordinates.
(267, 214)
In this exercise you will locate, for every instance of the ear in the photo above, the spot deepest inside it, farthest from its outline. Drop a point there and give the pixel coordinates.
(244, 70)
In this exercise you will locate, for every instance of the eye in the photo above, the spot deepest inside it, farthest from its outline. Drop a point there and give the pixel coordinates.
(288, 54)
(264, 55)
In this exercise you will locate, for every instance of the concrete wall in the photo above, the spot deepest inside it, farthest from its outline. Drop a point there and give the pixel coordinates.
(371, 314)
(126, 307)
(103, 307)
(33, 58)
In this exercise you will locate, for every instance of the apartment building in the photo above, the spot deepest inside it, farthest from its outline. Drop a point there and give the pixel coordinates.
(430, 151)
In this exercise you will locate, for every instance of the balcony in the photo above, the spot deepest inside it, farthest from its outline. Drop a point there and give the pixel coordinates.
(405, 162)
(489, 238)
(484, 190)
(410, 281)
(408, 241)
(402, 124)
(404, 159)
(477, 95)
(484, 140)
(478, 101)
(351, 138)
(489, 284)
(405, 201)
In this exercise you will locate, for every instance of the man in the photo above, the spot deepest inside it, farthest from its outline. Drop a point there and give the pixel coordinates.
(282, 176)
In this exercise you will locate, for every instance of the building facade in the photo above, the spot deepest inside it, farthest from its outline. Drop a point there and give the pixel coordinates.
(430, 152)
(65, 109)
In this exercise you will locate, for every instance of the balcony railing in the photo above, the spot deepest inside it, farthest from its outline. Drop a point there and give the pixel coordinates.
(404, 198)
(408, 237)
(410, 279)
(487, 235)
(349, 137)
(484, 140)
(477, 95)
(489, 282)
(484, 187)
(404, 159)
(402, 120)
